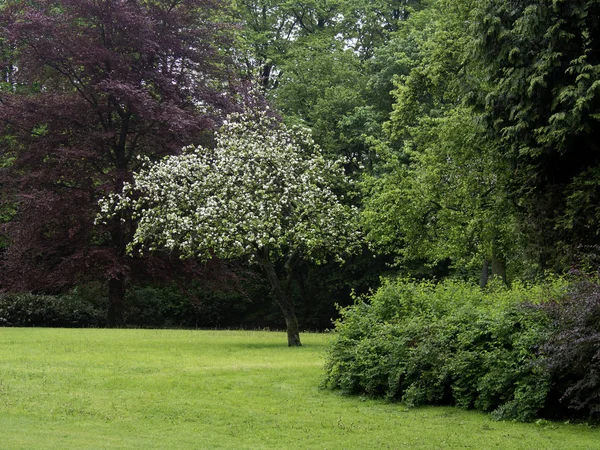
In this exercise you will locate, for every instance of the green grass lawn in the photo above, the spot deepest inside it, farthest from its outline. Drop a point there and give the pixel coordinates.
(164, 389)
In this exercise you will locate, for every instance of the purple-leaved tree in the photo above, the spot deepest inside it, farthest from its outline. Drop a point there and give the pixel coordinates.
(88, 85)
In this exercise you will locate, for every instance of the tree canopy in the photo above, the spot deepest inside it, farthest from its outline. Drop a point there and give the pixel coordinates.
(541, 62)
(490, 147)
(264, 190)
(88, 86)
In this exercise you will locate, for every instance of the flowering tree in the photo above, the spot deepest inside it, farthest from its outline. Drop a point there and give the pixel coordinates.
(264, 191)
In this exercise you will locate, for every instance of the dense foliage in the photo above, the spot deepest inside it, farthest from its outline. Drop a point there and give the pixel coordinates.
(86, 87)
(541, 102)
(524, 353)
(28, 310)
(444, 344)
(573, 351)
(488, 164)
(157, 305)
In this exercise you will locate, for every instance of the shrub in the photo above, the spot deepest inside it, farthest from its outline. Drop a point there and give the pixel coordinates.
(190, 306)
(447, 343)
(29, 310)
(149, 305)
(573, 352)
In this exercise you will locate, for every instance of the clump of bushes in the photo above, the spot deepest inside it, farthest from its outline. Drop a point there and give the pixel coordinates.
(169, 306)
(523, 353)
(68, 311)
(572, 354)
(155, 306)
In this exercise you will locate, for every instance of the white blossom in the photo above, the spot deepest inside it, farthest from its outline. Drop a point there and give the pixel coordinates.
(263, 185)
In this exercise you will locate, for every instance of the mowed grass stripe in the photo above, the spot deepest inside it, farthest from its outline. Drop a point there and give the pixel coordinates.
(180, 389)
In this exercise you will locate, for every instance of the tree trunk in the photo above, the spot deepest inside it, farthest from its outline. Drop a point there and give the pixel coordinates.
(283, 297)
(499, 265)
(497, 261)
(485, 273)
(116, 295)
(116, 284)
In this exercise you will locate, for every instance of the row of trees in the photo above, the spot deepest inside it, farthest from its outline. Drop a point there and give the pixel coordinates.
(476, 122)
(471, 126)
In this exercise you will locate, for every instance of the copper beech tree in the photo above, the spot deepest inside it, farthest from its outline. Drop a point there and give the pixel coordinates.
(265, 192)
(88, 85)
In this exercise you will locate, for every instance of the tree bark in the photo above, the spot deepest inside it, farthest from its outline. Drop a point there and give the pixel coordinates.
(485, 273)
(498, 269)
(116, 284)
(283, 297)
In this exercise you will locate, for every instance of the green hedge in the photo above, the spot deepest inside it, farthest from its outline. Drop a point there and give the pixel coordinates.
(448, 343)
(29, 310)
(155, 306)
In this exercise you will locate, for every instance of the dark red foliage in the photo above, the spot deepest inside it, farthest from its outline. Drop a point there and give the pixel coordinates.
(573, 352)
(89, 85)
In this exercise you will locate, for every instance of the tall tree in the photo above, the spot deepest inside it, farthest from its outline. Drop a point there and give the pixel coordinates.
(542, 102)
(440, 194)
(322, 86)
(267, 29)
(92, 85)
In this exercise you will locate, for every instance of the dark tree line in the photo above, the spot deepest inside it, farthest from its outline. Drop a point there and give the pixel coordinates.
(542, 66)
(89, 86)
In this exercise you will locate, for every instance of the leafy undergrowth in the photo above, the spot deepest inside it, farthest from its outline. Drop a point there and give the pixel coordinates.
(527, 353)
(130, 389)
